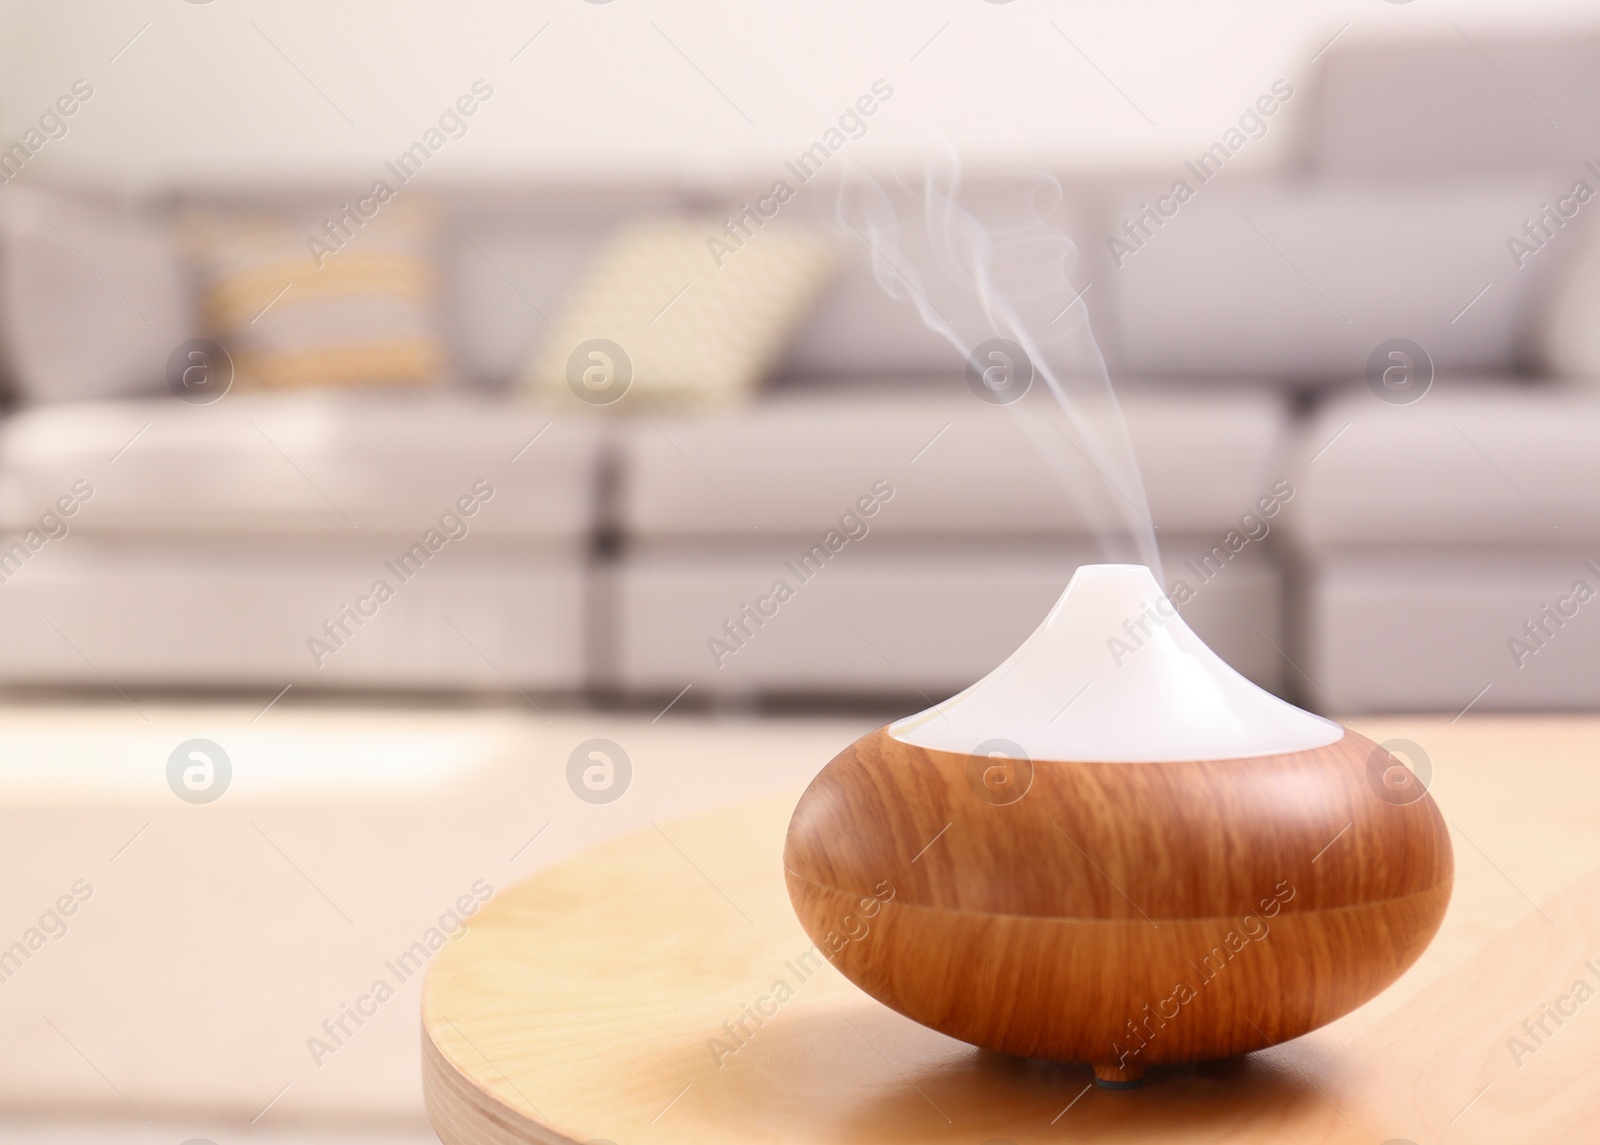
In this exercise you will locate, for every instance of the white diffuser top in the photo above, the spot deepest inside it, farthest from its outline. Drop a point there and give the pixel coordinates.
(1115, 675)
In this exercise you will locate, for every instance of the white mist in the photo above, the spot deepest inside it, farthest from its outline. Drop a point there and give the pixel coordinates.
(1115, 675)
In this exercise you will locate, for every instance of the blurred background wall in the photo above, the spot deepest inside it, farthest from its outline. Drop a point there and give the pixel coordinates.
(230, 90)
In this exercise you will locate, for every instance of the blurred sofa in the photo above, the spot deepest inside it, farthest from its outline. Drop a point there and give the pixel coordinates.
(233, 544)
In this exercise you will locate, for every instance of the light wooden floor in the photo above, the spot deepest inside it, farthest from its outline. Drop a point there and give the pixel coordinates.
(587, 1000)
(220, 937)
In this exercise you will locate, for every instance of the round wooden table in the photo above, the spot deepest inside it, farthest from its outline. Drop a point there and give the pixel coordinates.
(658, 989)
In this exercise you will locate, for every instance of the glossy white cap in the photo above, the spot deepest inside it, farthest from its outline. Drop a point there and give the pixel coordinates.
(1115, 675)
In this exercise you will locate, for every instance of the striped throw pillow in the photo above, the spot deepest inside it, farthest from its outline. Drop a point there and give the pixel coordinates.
(296, 312)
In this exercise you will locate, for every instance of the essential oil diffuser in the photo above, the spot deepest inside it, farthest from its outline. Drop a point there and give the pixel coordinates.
(1115, 849)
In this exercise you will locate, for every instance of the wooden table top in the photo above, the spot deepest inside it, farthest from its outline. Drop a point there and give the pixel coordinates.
(603, 1000)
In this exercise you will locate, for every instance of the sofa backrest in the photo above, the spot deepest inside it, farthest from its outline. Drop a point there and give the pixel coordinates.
(1423, 163)
(1423, 160)
(868, 324)
(1462, 104)
(511, 254)
(1300, 281)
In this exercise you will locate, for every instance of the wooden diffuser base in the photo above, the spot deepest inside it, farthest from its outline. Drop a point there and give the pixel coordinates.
(1120, 914)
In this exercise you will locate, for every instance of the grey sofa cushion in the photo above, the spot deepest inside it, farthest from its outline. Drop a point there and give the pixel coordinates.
(1409, 629)
(155, 612)
(793, 464)
(1569, 335)
(339, 465)
(92, 298)
(892, 619)
(1030, 221)
(1468, 464)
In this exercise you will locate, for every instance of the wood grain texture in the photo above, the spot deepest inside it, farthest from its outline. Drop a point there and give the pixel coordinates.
(1120, 914)
(580, 1003)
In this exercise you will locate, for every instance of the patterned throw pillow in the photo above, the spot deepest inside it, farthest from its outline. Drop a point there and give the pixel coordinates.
(297, 307)
(671, 311)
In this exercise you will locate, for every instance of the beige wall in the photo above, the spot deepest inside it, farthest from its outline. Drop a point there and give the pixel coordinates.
(202, 92)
